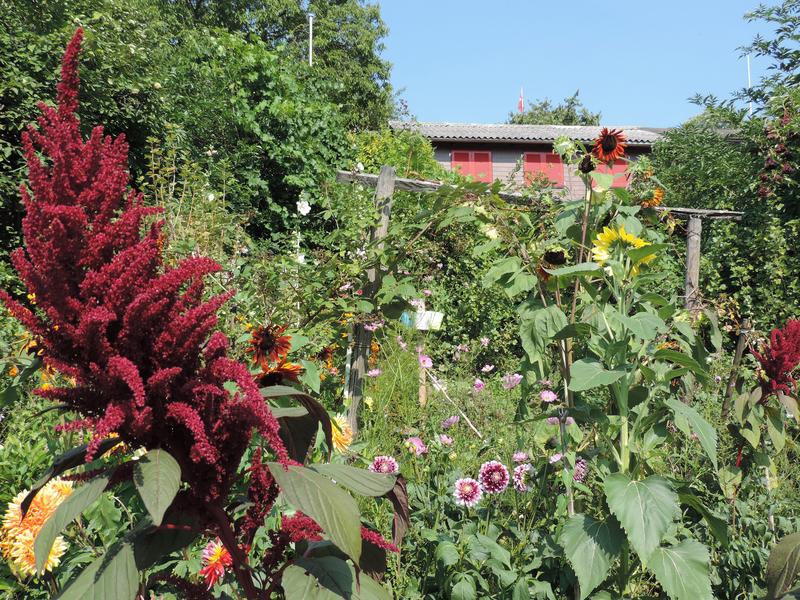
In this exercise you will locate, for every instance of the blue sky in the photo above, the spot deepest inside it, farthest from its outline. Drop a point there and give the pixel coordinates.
(637, 62)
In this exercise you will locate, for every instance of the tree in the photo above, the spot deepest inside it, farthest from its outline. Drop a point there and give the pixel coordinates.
(570, 111)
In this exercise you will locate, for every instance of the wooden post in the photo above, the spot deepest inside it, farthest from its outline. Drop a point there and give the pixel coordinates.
(744, 330)
(692, 290)
(363, 338)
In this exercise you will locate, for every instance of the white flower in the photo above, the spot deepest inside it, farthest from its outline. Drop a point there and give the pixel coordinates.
(303, 207)
(359, 167)
(301, 258)
(211, 197)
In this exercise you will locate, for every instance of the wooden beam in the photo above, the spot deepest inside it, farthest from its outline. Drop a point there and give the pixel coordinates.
(384, 189)
(694, 233)
(420, 186)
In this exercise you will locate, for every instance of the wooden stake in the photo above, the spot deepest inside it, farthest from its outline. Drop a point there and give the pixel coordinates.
(363, 338)
(694, 233)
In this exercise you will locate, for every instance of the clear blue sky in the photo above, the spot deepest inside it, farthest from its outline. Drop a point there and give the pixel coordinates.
(637, 62)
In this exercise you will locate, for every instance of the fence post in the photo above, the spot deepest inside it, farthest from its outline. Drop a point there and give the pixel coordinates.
(692, 290)
(744, 330)
(363, 338)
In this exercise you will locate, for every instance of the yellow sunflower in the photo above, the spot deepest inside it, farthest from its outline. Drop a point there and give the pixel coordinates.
(342, 433)
(17, 535)
(611, 242)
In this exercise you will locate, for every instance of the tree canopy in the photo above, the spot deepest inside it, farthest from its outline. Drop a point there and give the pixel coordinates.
(569, 111)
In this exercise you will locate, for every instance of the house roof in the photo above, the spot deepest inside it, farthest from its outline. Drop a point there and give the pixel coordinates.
(510, 134)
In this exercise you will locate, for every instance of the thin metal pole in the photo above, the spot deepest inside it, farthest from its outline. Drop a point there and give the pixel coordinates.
(310, 39)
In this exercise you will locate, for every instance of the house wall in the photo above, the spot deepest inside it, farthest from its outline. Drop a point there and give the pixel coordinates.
(507, 161)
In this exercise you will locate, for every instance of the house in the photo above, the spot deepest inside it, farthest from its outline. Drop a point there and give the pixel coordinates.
(515, 153)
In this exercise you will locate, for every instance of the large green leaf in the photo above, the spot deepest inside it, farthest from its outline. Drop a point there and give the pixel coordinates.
(326, 503)
(585, 268)
(464, 589)
(704, 431)
(682, 570)
(112, 576)
(588, 373)
(328, 578)
(157, 477)
(644, 325)
(447, 553)
(78, 501)
(684, 360)
(644, 508)
(783, 566)
(717, 525)
(590, 547)
(360, 481)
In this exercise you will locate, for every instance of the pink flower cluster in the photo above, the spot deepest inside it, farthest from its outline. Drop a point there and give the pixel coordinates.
(385, 464)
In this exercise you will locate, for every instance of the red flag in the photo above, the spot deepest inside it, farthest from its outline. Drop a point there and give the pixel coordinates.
(521, 103)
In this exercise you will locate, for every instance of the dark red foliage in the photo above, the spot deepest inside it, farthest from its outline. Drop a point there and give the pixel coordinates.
(779, 360)
(134, 333)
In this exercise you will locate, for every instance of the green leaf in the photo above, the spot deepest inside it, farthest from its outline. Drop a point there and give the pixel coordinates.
(730, 478)
(573, 330)
(360, 481)
(783, 566)
(330, 506)
(679, 358)
(682, 570)
(646, 326)
(464, 589)
(704, 431)
(310, 375)
(645, 509)
(584, 268)
(501, 269)
(328, 578)
(157, 477)
(775, 427)
(447, 553)
(637, 254)
(590, 547)
(602, 181)
(280, 412)
(790, 404)
(588, 373)
(112, 576)
(717, 525)
(74, 505)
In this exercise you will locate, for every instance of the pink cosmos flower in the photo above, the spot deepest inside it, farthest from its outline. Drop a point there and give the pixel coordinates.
(556, 457)
(522, 482)
(425, 361)
(417, 303)
(373, 372)
(581, 469)
(478, 385)
(520, 456)
(401, 342)
(416, 446)
(552, 420)
(450, 421)
(374, 325)
(445, 439)
(511, 380)
(548, 396)
(487, 368)
(385, 464)
(467, 492)
(484, 341)
(569, 421)
(493, 476)
(427, 292)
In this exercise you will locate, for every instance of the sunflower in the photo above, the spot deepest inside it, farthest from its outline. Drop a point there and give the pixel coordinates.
(268, 344)
(17, 535)
(656, 199)
(609, 145)
(610, 242)
(277, 374)
(342, 433)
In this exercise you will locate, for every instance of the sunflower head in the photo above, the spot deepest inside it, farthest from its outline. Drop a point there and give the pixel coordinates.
(280, 373)
(609, 145)
(613, 243)
(342, 434)
(655, 199)
(268, 344)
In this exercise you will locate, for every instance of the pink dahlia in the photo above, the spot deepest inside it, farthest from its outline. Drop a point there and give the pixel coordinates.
(522, 480)
(450, 421)
(384, 464)
(511, 380)
(416, 446)
(548, 396)
(487, 368)
(581, 469)
(520, 456)
(445, 440)
(478, 385)
(556, 457)
(373, 372)
(467, 492)
(494, 477)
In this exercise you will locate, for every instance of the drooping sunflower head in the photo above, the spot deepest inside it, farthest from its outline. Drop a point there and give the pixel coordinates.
(280, 373)
(342, 434)
(609, 145)
(268, 344)
(613, 243)
(656, 198)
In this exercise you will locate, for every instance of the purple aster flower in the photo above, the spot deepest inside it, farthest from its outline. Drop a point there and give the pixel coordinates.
(416, 446)
(556, 457)
(511, 380)
(522, 482)
(547, 396)
(425, 361)
(581, 468)
(373, 372)
(445, 439)
(467, 492)
(478, 385)
(493, 476)
(450, 421)
(487, 368)
(520, 456)
(385, 464)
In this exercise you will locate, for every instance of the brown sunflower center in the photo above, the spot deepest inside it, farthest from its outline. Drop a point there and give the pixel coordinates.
(609, 143)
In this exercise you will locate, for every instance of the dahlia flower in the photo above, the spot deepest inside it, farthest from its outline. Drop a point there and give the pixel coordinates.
(493, 476)
(548, 396)
(581, 469)
(511, 380)
(521, 478)
(479, 385)
(216, 559)
(487, 368)
(450, 421)
(520, 456)
(445, 439)
(385, 464)
(416, 446)
(425, 361)
(342, 434)
(467, 492)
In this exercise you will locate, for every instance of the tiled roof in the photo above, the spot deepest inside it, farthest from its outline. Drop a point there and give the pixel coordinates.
(506, 133)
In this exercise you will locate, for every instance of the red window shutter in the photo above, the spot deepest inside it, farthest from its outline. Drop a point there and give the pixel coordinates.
(482, 166)
(547, 163)
(460, 162)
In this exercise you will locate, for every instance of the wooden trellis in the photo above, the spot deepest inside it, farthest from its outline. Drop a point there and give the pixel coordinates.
(386, 183)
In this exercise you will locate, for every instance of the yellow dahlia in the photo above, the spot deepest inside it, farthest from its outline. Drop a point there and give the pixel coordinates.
(342, 434)
(613, 243)
(17, 535)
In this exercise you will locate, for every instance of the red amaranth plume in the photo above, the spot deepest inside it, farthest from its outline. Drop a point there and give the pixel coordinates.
(779, 360)
(135, 334)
